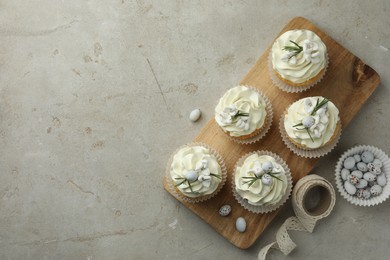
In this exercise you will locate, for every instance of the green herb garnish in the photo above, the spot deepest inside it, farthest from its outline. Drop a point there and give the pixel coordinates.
(253, 179)
(295, 49)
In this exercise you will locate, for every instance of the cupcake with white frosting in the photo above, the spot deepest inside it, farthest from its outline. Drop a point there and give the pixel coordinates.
(299, 59)
(243, 113)
(262, 181)
(311, 123)
(196, 173)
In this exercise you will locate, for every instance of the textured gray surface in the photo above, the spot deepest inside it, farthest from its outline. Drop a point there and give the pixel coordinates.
(95, 95)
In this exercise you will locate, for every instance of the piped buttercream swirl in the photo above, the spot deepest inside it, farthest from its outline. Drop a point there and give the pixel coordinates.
(266, 190)
(321, 123)
(194, 170)
(240, 111)
(303, 66)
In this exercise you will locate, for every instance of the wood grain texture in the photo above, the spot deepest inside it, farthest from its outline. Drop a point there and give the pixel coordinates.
(348, 83)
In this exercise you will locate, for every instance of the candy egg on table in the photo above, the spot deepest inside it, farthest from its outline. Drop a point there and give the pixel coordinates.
(357, 173)
(195, 115)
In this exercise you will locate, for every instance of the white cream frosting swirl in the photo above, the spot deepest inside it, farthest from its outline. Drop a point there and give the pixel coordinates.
(303, 66)
(245, 101)
(260, 193)
(195, 167)
(321, 125)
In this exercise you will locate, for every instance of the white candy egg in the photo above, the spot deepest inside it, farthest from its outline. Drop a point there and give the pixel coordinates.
(344, 174)
(349, 188)
(367, 157)
(308, 121)
(362, 166)
(357, 158)
(381, 179)
(266, 179)
(368, 176)
(241, 224)
(192, 176)
(267, 166)
(349, 163)
(195, 115)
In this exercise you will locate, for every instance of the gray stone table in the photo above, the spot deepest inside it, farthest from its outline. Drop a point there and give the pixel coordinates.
(95, 95)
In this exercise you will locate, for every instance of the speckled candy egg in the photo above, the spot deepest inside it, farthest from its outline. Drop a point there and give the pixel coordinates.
(368, 176)
(366, 194)
(353, 179)
(373, 169)
(376, 190)
(344, 174)
(225, 210)
(360, 193)
(381, 179)
(349, 188)
(349, 163)
(367, 157)
(362, 166)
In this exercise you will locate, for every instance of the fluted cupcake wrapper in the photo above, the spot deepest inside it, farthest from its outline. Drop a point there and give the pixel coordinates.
(265, 128)
(292, 89)
(378, 153)
(268, 208)
(181, 196)
(315, 153)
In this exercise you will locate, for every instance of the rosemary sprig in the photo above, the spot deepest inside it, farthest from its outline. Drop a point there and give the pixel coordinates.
(253, 179)
(184, 180)
(216, 176)
(240, 114)
(295, 49)
(308, 132)
(319, 105)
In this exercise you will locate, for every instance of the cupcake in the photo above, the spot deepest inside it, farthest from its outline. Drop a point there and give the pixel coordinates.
(243, 113)
(311, 123)
(262, 182)
(196, 173)
(299, 59)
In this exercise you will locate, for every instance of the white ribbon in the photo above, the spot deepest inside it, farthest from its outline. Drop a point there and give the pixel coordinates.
(304, 220)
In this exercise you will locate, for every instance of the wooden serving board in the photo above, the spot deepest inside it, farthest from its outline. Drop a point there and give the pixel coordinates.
(348, 83)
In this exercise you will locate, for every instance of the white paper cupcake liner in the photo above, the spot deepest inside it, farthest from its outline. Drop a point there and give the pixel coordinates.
(378, 153)
(181, 196)
(315, 153)
(266, 127)
(292, 89)
(268, 208)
